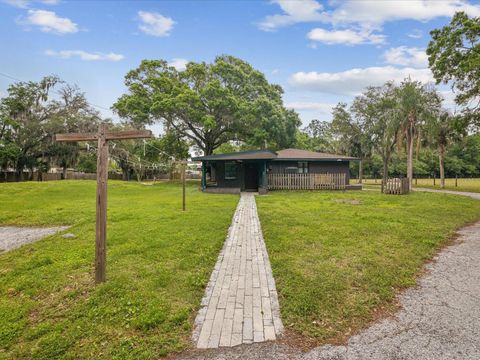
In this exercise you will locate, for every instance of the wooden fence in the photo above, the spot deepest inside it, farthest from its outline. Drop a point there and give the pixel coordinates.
(35, 176)
(396, 186)
(82, 176)
(306, 181)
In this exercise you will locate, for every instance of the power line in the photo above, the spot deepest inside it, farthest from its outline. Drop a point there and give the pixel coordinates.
(160, 150)
(147, 165)
(10, 77)
(140, 161)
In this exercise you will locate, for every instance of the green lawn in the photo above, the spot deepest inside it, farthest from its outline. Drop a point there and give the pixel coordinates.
(159, 260)
(469, 185)
(339, 258)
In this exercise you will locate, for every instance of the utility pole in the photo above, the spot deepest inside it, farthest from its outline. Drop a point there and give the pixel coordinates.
(102, 136)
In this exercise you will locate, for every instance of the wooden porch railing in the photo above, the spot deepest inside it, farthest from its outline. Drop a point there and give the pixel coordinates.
(306, 181)
(396, 186)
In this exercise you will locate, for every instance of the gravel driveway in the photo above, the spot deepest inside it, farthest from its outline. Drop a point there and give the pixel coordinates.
(452, 192)
(12, 237)
(439, 319)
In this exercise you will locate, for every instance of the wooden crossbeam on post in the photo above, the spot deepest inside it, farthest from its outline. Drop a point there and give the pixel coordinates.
(102, 136)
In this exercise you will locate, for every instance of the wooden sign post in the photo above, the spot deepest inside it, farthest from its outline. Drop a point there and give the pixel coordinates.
(184, 179)
(102, 136)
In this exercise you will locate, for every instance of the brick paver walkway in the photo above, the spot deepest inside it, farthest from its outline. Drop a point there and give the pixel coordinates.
(240, 305)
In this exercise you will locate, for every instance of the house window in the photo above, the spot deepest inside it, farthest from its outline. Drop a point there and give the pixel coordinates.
(303, 167)
(230, 170)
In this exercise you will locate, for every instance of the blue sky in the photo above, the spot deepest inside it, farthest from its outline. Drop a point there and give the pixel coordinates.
(320, 52)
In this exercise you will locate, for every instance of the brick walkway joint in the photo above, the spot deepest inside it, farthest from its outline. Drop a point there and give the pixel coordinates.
(240, 305)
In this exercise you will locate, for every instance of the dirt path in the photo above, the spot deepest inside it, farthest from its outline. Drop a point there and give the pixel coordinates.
(462, 193)
(12, 237)
(439, 319)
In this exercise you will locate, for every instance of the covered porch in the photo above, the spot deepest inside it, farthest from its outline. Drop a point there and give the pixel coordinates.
(236, 172)
(234, 176)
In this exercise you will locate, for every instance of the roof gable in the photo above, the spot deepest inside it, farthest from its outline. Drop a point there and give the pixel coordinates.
(298, 154)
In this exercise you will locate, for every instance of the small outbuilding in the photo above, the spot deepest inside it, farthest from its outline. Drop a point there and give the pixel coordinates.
(262, 170)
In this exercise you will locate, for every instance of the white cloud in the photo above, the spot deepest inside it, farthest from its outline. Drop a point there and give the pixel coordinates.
(323, 108)
(155, 24)
(376, 13)
(346, 37)
(415, 34)
(406, 56)
(364, 15)
(48, 21)
(353, 81)
(448, 99)
(179, 63)
(24, 4)
(294, 12)
(84, 55)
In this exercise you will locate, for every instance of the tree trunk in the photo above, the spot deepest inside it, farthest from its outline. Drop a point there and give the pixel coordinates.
(410, 163)
(385, 170)
(441, 157)
(410, 144)
(360, 171)
(138, 173)
(64, 172)
(125, 170)
(18, 171)
(208, 149)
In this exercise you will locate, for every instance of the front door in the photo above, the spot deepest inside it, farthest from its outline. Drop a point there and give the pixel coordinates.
(251, 176)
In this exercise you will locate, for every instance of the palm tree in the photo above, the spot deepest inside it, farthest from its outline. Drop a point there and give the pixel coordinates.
(441, 131)
(417, 104)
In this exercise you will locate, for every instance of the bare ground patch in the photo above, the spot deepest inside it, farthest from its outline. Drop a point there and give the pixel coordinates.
(12, 237)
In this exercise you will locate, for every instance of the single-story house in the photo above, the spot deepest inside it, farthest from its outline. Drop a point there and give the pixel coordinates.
(262, 170)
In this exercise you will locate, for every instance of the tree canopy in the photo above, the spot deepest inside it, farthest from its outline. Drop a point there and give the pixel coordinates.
(209, 104)
(454, 57)
(384, 123)
(376, 109)
(29, 116)
(417, 104)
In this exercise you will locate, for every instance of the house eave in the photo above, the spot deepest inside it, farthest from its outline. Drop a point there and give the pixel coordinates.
(316, 160)
(269, 155)
(241, 155)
